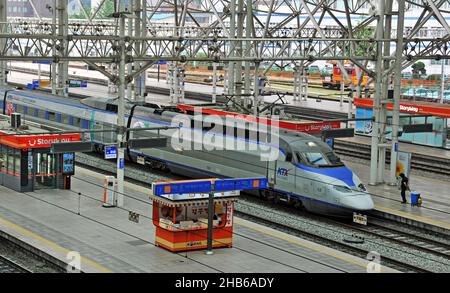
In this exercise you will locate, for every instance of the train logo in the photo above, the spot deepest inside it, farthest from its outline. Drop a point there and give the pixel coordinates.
(283, 172)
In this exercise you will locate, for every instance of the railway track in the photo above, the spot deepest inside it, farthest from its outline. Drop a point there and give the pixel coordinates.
(404, 251)
(385, 229)
(419, 162)
(9, 266)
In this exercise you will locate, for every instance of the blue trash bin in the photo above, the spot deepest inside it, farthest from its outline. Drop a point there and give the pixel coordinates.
(415, 198)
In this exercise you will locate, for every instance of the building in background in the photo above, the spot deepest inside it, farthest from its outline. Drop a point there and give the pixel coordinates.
(23, 8)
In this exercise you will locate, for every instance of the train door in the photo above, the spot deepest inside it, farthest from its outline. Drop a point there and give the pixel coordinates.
(271, 172)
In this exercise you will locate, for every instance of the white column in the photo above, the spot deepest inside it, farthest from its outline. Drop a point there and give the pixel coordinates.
(397, 91)
(63, 30)
(3, 21)
(377, 99)
(120, 117)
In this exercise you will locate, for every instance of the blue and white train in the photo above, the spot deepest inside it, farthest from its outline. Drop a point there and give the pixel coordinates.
(305, 172)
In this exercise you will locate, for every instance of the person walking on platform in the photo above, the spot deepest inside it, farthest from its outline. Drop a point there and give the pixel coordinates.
(404, 186)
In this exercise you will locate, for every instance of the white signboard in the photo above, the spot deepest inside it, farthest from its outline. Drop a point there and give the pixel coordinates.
(141, 160)
(189, 196)
(360, 219)
(403, 164)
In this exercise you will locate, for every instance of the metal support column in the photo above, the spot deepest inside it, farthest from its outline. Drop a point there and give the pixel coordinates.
(63, 66)
(121, 116)
(129, 86)
(54, 66)
(239, 50)
(3, 27)
(383, 143)
(397, 91)
(232, 65)
(257, 89)
(248, 48)
(209, 250)
(377, 98)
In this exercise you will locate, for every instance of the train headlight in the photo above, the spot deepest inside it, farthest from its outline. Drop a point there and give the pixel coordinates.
(343, 189)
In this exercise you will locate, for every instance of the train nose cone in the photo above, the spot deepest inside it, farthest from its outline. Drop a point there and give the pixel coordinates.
(358, 202)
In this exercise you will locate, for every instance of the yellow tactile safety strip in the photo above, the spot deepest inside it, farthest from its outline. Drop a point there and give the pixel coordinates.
(413, 217)
(41, 239)
(299, 242)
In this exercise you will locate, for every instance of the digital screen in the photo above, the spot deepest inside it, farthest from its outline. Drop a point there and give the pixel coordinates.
(69, 164)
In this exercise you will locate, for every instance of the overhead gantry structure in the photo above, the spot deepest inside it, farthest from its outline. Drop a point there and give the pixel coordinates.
(250, 35)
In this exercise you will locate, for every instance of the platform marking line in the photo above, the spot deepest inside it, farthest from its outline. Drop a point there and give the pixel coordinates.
(52, 244)
(308, 245)
(413, 217)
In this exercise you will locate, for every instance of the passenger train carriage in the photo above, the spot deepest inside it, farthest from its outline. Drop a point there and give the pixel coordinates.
(305, 172)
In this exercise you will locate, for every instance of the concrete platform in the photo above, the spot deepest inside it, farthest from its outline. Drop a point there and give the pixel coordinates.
(434, 213)
(406, 147)
(58, 222)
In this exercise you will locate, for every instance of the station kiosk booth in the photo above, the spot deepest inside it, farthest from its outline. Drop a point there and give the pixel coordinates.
(26, 161)
(181, 220)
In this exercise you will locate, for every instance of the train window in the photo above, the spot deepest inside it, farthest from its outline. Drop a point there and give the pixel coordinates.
(51, 116)
(316, 159)
(289, 157)
(25, 110)
(319, 159)
(333, 159)
(76, 122)
(65, 119)
(42, 114)
(19, 108)
(36, 112)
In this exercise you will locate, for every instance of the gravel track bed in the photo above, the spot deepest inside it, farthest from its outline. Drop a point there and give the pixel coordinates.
(336, 233)
(26, 259)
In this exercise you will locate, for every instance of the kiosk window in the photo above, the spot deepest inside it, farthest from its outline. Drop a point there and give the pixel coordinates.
(17, 155)
(11, 154)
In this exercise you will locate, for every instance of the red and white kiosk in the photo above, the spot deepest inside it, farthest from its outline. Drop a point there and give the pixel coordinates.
(26, 162)
(181, 211)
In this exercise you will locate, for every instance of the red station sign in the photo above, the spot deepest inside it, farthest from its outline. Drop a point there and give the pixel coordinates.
(36, 141)
(417, 108)
(305, 127)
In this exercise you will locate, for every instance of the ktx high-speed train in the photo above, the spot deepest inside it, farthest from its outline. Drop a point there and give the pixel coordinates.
(305, 173)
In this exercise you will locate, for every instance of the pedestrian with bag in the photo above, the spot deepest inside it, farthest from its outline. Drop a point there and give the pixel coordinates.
(404, 186)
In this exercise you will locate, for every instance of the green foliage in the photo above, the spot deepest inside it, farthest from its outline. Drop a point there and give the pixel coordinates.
(106, 10)
(364, 33)
(418, 69)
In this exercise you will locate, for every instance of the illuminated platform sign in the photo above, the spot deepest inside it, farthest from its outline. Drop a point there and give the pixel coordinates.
(182, 187)
(240, 184)
(200, 188)
(111, 152)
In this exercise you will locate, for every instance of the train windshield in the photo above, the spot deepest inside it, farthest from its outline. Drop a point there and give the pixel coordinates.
(319, 159)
